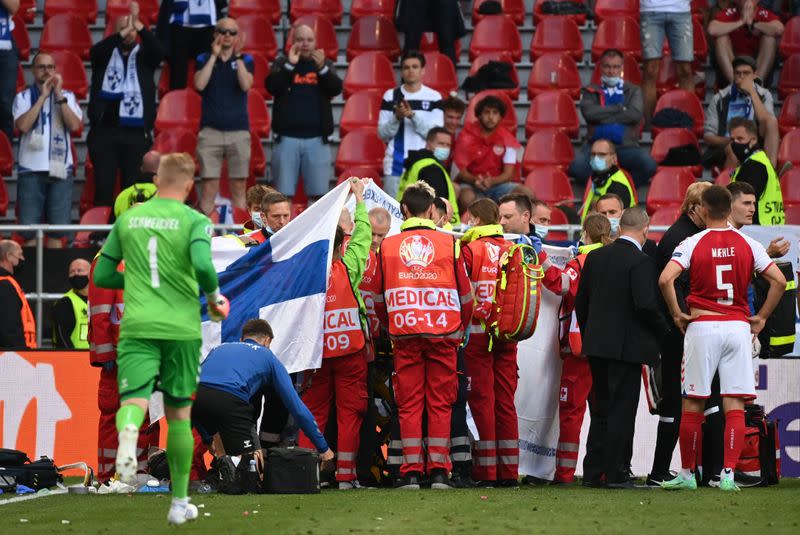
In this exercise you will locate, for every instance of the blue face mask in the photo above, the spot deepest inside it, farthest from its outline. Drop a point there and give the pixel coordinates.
(256, 218)
(614, 225)
(541, 231)
(610, 81)
(598, 164)
(441, 153)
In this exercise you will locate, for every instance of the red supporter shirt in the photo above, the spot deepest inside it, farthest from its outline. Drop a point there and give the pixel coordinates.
(721, 263)
(745, 42)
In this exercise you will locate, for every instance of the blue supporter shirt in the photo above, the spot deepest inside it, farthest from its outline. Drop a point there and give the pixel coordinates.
(244, 369)
(224, 103)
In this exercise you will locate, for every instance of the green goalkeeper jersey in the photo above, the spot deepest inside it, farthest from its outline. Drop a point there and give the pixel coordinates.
(161, 288)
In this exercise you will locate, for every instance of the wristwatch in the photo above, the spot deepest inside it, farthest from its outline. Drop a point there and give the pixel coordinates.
(61, 100)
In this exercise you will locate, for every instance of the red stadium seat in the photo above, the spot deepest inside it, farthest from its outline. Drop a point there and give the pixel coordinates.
(258, 113)
(558, 217)
(554, 110)
(6, 156)
(163, 79)
(20, 78)
(361, 172)
(324, 31)
(724, 178)
(605, 9)
(332, 9)
(361, 110)
(512, 8)
(685, 101)
(369, 71)
(99, 215)
(790, 41)
(266, 8)
(70, 67)
(621, 33)
(668, 187)
(792, 214)
(86, 9)
(551, 185)
(176, 139)
(789, 81)
(631, 71)
(360, 148)
(510, 118)
(21, 38)
(373, 33)
(148, 10)
(668, 78)
(67, 32)
(27, 10)
(789, 150)
(547, 148)
(557, 34)
(260, 72)
(663, 217)
(700, 44)
(259, 37)
(430, 43)
(496, 33)
(674, 137)
(486, 57)
(790, 187)
(179, 108)
(440, 74)
(363, 8)
(789, 119)
(555, 71)
(539, 16)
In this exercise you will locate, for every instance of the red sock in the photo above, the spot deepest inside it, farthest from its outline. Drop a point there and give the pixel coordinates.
(734, 437)
(691, 434)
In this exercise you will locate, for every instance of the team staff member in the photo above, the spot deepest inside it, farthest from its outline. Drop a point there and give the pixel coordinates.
(342, 378)
(70, 313)
(491, 365)
(743, 209)
(606, 177)
(426, 304)
(756, 169)
(718, 329)
(17, 326)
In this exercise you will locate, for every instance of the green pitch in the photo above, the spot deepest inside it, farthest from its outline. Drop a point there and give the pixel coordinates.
(545, 510)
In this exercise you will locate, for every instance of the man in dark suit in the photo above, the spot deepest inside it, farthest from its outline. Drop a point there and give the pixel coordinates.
(621, 321)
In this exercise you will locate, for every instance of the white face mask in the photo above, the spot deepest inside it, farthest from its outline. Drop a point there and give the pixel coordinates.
(256, 218)
(614, 225)
(541, 231)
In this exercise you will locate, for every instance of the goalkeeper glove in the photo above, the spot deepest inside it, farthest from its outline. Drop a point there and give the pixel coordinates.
(218, 306)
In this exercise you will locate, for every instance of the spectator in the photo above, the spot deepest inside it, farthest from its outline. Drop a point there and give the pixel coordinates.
(744, 98)
(613, 111)
(223, 78)
(453, 109)
(45, 114)
(17, 325)
(71, 312)
(303, 84)
(673, 19)
(253, 197)
(8, 65)
(743, 208)
(186, 30)
(407, 113)
(617, 287)
(756, 169)
(122, 107)
(606, 177)
(486, 155)
(428, 164)
(746, 28)
(381, 221)
(541, 218)
(414, 17)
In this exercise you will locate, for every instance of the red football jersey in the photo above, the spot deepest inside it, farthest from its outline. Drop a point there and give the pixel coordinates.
(721, 263)
(745, 42)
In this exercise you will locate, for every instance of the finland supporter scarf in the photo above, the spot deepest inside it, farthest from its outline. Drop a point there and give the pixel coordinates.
(5, 29)
(615, 131)
(59, 137)
(121, 82)
(194, 12)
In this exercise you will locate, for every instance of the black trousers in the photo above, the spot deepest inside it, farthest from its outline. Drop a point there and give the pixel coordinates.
(444, 22)
(669, 410)
(460, 448)
(187, 44)
(115, 149)
(612, 406)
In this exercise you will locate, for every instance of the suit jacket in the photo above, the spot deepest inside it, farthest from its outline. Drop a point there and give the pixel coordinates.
(618, 307)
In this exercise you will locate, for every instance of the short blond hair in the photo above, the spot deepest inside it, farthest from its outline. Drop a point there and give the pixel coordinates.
(694, 196)
(175, 168)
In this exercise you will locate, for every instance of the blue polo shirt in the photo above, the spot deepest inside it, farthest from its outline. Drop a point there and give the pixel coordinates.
(224, 102)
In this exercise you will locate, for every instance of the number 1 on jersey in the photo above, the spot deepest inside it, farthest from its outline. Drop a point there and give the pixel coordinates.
(726, 287)
(152, 247)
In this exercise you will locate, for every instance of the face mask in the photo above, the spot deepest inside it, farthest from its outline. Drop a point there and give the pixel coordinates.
(598, 164)
(441, 153)
(741, 151)
(269, 229)
(541, 231)
(79, 282)
(614, 225)
(256, 218)
(610, 81)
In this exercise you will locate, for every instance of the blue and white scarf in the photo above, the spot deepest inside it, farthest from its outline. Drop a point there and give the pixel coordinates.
(59, 136)
(615, 131)
(121, 82)
(739, 105)
(6, 25)
(194, 13)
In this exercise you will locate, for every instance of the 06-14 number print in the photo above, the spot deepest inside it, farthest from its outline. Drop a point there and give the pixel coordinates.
(412, 318)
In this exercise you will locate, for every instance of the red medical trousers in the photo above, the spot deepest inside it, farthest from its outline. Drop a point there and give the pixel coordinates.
(576, 384)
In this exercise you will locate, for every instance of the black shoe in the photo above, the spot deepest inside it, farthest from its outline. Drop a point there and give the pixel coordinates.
(536, 481)
(745, 480)
(462, 481)
(594, 483)
(485, 484)
(655, 480)
(408, 482)
(439, 480)
(508, 483)
(557, 483)
(627, 484)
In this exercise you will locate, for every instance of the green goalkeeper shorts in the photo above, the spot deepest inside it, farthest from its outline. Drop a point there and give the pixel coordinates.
(171, 366)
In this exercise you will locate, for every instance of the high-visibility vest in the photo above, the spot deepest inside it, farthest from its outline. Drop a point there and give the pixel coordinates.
(770, 204)
(412, 175)
(420, 288)
(342, 332)
(28, 322)
(369, 287)
(80, 332)
(486, 255)
(595, 193)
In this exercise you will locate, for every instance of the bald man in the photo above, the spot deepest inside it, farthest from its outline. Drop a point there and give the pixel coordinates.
(303, 83)
(149, 166)
(70, 313)
(381, 221)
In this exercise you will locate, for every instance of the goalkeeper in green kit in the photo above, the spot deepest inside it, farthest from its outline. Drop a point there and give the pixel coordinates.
(166, 249)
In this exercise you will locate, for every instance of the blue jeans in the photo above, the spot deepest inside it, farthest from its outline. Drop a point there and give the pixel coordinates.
(39, 194)
(678, 29)
(8, 86)
(294, 156)
(635, 160)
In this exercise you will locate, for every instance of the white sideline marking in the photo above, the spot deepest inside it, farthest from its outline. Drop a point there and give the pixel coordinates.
(33, 496)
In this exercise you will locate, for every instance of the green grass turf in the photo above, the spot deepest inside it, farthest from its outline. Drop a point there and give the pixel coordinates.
(544, 510)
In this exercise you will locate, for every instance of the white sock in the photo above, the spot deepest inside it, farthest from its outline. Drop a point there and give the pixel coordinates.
(182, 502)
(685, 473)
(727, 473)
